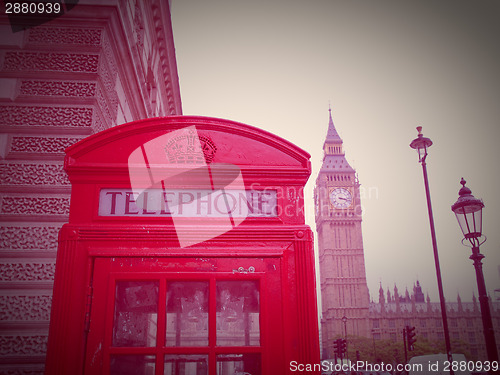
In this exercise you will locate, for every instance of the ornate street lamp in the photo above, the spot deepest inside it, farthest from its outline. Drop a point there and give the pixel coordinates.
(469, 212)
(421, 144)
(344, 320)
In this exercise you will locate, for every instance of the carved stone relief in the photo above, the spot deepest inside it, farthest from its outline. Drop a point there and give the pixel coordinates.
(25, 308)
(108, 74)
(23, 345)
(65, 35)
(22, 372)
(10, 272)
(45, 116)
(58, 88)
(28, 238)
(34, 206)
(50, 61)
(44, 145)
(33, 174)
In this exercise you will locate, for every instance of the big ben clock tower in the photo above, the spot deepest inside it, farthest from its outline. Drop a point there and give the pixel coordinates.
(344, 292)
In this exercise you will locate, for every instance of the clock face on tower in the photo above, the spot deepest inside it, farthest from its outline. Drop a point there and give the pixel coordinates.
(340, 198)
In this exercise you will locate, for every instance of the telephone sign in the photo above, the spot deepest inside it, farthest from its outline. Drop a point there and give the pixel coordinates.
(188, 203)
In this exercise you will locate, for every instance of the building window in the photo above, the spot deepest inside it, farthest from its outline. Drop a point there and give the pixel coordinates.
(438, 323)
(392, 323)
(440, 335)
(376, 323)
(472, 337)
(376, 336)
(470, 323)
(453, 323)
(455, 335)
(422, 323)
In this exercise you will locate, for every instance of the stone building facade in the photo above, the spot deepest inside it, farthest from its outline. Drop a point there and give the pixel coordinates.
(393, 312)
(98, 65)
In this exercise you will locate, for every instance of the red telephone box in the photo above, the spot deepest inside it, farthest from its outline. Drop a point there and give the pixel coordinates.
(186, 252)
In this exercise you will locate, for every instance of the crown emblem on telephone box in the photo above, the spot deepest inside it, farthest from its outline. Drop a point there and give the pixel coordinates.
(190, 148)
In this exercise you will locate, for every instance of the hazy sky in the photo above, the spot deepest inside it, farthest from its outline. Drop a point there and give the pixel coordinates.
(385, 67)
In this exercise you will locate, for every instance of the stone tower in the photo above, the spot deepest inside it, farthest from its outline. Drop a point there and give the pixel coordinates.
(344, 291)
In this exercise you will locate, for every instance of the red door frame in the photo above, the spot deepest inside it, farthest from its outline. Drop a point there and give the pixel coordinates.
(99, 345)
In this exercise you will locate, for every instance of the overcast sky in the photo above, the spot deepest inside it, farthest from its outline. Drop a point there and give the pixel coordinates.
(386, 66)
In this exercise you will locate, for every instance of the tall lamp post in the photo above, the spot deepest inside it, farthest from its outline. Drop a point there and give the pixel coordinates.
(344, 320)
(421, 144)
(468, 211)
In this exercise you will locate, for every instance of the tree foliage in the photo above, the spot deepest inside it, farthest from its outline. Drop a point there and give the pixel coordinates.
(389, 351)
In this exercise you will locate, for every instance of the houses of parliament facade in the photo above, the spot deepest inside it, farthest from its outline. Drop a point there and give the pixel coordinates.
(346, 306)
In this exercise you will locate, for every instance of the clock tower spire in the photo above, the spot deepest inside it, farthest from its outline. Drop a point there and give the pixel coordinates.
(344, 291)
(332, 135)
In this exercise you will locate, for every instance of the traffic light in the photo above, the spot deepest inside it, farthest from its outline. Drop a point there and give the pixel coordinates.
(336, 347)
(343, 346)
(410, 337)
(339, 347)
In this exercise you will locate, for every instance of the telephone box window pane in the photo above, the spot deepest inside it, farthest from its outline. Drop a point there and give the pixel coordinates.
(132, 365)
(229, 364)
(187, 313)
(238, 313)
(136, 313)
(191, 364)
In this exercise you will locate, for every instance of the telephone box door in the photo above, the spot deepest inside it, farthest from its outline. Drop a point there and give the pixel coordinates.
(170, 316)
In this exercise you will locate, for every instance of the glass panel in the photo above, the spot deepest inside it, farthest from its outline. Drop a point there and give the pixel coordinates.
(136, 313)
(186, 364)
(238, 364)
(187, 313)
(132, 365)
(238, 313)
